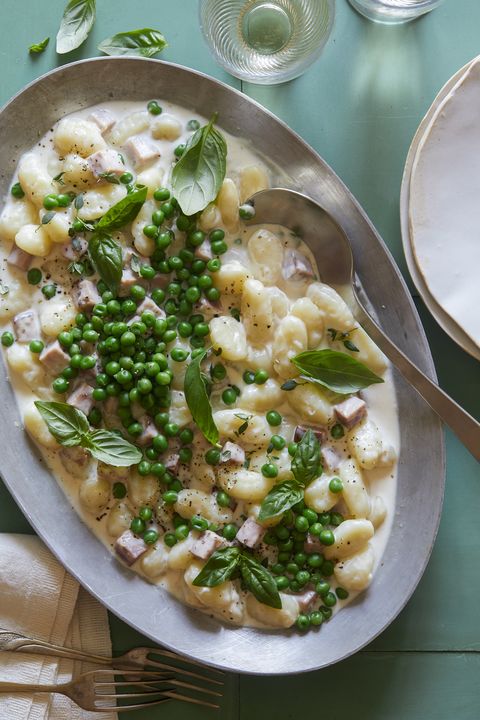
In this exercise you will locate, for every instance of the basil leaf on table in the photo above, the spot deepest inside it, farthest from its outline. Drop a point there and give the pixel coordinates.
(198, 175)
(198, 401)
(111, 448)
(335, 370)
(306, 465)
(280, 498)
(106, 257)
(67, 424)
(77, 21)
(145, 42)
(37, 48)
(124, 211)
(219, 568)
(260, 582)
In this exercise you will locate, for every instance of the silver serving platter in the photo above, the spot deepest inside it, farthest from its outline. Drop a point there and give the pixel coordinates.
(145, 607)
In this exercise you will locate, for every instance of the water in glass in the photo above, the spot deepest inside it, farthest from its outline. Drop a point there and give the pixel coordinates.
(391, 12)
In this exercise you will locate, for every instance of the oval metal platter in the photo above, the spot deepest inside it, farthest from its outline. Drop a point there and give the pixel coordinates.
(145, 607)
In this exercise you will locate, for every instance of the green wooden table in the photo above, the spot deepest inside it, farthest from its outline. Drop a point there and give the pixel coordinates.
(358, 106)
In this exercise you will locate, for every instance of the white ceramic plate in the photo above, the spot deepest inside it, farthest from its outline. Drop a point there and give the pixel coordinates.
(449, 325)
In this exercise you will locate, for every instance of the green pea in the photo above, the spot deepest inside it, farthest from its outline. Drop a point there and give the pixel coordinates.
(186, 436)
(144, 468)
(322, 588)
(315, 560)
(300, 558)
(199, 523)
(95, 417)
(185, 455)
(169, 539)
(330, 600)
(336, 519)
(176, 485)
(60, 385)
(179, 150)
(154, 108)
(212, 457)
(219, 247)
(161, 194)
(145, 513)
(183, 223)
(269, 470)
(158, 469)
(135, 429)
(171, 429)
(248, 377)
(316, 618)
(302, 577)
(286, 545)
(303, 622)
(282, 582)
(34, 276)
(137, 526)
(283, 557)
(278, 568)
(301, 523)
(246, 212)
(129, 307)
(126, 178)
(261, 377)
(63, 200)
(50, 202)
(167, 209)
(212, 294)
(17, 191)
(137, 292)
(292, 448)
(292, 568)
(273, 418)
(170, 497)
(337, 431)
(324, 518)
(214, 265)
(49, 291)
(327, 537)
(282, 532)
(201, 329)
(192, 294)
(327, 568)
(223, 499)
(69, 373)
(119, 490)
(88, 362)
(147, 272)
(335, 485)
(229, 396)
(217, 235)
(169, 336)
(193, 124)
(342, 594)
(99, 394)
(218, 372)
(150, 537)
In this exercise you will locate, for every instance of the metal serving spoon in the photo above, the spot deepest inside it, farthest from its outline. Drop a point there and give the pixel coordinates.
(333, 253)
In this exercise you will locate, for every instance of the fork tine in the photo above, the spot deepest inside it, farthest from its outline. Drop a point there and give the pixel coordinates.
(152, 683)
(181, 671)
(194, 701)
(188, 661)
(180, 683)
(166, 697)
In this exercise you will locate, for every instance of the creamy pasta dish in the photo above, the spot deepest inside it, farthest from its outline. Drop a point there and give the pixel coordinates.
(210, 407)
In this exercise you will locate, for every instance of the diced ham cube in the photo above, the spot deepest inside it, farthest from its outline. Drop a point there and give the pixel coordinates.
(350, 411)
(148, 305)
(172, 462)
(129, 278)
(106, 162)
(296, 266)
(141, 150)
(74, 249)
(27, 326)
(306, 600)
(330, 457)
(250, 533)
(160, 281)
(103, 119)
(232, 453)
(86, 295)
(19, 258)
(149, 432)
(300, 430)
(129, 548)
(312, 545)
(81, 398)
(204, 251)
(206, 544)
(54, 358)
(74, 456)
(208, 308)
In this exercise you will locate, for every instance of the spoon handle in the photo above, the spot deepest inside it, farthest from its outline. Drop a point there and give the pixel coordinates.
(465, 427)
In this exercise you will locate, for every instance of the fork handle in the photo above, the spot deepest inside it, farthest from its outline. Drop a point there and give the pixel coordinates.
(465, 427)
(8, 687)
(15, 642)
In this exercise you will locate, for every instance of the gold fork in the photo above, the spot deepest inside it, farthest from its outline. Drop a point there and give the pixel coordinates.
(139, 657)
(95, 690)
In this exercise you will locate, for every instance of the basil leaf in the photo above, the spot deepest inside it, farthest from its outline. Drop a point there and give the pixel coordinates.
(335, 370)
(48, 216)
(106, 256)
(282, 497)
(111, 448)
(124, 211)
(77, 21)
(110, 177)
(306, 465)
(260, 582)
(219, 567)
(145, 42)
(198, 175)
(39, 47)
(198, 401)
(67, 424)
(78, 202)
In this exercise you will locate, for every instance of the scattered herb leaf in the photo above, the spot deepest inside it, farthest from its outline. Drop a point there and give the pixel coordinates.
(219, 568)
(281, 498)
(110, 177)
(145, 42)
(38, 48)
(106, 257)
(124, 211)
(77, 21)
(306, 465)
(197, 399)
(335, 370)
(260, 582)
(48, 216)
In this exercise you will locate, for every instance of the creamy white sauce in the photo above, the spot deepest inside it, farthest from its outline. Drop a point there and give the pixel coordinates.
(380, 399)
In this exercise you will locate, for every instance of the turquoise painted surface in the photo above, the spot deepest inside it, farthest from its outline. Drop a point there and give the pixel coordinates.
(359, 106)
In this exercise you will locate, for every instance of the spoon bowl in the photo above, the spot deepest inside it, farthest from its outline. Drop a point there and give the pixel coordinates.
(334, 257)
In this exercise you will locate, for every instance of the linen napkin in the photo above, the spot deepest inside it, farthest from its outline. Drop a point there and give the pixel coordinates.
(40, 599)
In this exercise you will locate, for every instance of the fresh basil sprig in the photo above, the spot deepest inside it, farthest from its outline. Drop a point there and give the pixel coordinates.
(260, 582)
(145, 42)
(198, 175)
(305, 467)
(198, 400)
(219, 567)
(70, 428)
(37, 48)
(222, 564)
(106, 257)
(280, 498)
(124, 211)
(335, 370)
(77, 21)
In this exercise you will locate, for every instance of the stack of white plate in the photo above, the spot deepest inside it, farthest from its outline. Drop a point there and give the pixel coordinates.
(440, 208)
